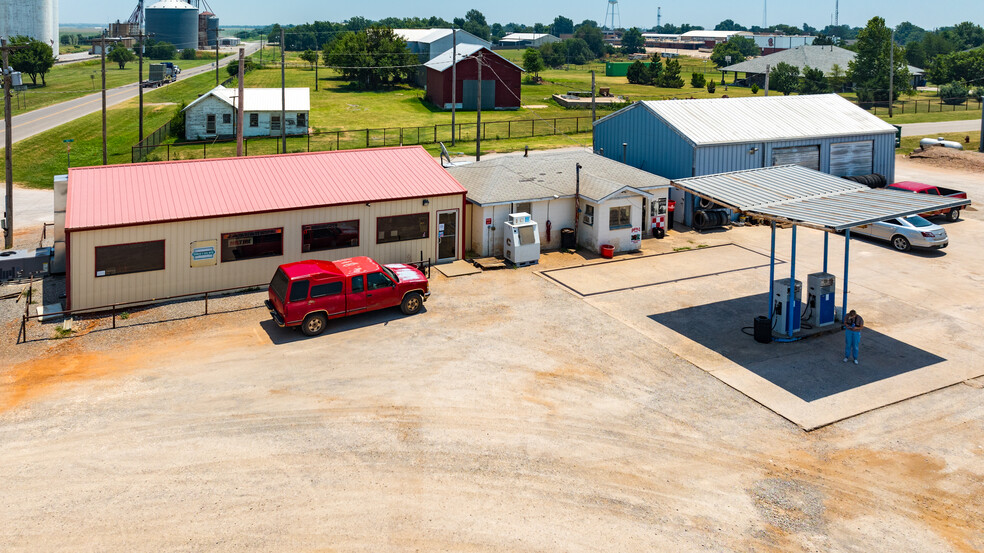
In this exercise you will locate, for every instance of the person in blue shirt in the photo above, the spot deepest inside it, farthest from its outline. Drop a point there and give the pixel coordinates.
(853, 324)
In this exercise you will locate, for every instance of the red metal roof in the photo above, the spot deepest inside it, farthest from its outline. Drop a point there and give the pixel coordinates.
(143, 193)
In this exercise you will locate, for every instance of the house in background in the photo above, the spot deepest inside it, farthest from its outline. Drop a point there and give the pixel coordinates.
(619, 204)
(430, 43)
(526, 40)
(213, 114)
(800, 57)
(501, 79)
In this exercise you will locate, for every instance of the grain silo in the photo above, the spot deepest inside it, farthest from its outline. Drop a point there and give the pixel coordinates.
(212, 30)
(37, 19)
(173, 21)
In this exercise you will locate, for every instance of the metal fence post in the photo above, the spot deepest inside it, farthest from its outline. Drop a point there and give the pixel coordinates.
(309, 142)
(204, 150)
(114, 316)
(206, 303)
(367, 138)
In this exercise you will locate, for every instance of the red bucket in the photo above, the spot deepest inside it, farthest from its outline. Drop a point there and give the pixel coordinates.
(607, 251)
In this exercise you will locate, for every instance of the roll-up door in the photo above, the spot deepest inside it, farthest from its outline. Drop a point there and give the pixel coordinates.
(848, 159)
(807, 156)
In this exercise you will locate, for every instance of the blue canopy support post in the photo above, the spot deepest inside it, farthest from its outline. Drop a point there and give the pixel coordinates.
(772, 272)
(791, 307)
(826, 236)
(847, 251)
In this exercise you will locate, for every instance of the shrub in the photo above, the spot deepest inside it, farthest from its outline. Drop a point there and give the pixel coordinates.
(953, 94)
(711, 86)
(755, 89)
(697, 80)
(638, 73)
(189, 54)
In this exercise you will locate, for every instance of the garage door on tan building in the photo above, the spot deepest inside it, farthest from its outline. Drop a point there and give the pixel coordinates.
(852, 158)
(806, 156)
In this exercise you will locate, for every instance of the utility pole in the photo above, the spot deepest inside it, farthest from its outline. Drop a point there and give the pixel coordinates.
(239, 109)
(454, 78)
(317, 61)
(216, 56)
(140, 53)
(478, 122)
(592, 96)
(8, 154)
(102, 51)
(891, 73)
(767, 68)
(283, 93)
(980, 147)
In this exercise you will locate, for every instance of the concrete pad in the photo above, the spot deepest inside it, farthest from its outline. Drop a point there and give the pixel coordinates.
(51, 308)
(652, 270)
(914, 343)
(456, 269)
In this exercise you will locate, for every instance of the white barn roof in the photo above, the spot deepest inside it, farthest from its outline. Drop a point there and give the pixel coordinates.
(261, 99)
(763, 118)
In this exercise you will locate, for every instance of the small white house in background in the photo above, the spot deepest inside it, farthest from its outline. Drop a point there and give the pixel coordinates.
(213, 114)
(619, 204)
(526, 40)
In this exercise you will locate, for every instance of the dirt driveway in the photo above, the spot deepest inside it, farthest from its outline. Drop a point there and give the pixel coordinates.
(512, 415)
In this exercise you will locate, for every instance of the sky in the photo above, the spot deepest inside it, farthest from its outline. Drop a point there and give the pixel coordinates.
(641, 13)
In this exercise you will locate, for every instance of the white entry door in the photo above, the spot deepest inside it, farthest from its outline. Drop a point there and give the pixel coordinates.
(447, 235)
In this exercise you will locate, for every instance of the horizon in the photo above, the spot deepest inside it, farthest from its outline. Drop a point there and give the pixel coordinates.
(633, 14)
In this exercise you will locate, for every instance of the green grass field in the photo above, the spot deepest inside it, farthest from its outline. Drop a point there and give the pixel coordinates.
(39, 158)
(74, 80)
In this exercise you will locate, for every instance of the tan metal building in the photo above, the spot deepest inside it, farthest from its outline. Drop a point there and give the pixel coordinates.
(144, 231)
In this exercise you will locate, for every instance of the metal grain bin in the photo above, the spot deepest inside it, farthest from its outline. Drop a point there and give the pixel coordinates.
(175, 22)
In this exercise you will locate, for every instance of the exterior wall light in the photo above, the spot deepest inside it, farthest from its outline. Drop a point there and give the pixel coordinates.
(752, 150)
(426, 202)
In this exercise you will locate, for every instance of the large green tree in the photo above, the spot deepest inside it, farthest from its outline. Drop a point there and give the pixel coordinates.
(34, 60)
(813, 82)
(870, 69)
(589, 32)
(532, 62)
(967, 67)
(729, 25)
(120, 55)
(738, 47)
(371, 59)
(784, 78)
(474, 22)
(632, 41)
(562, 26)
(670, 77)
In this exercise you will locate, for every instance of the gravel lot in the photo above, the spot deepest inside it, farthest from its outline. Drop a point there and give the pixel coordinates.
(509, 416)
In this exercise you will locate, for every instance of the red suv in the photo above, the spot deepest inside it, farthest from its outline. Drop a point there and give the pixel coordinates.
(308, 293)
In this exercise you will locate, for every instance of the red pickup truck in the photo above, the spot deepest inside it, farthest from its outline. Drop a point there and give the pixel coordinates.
(308, 293)
(952, 213)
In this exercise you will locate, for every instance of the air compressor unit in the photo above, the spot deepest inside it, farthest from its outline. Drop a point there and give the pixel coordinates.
(522, 240)
(820, 299)
(786, 315)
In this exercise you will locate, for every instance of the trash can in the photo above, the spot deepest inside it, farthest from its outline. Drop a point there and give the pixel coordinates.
(567, 239)
(670, 207)
(763, 330)
(607, 251)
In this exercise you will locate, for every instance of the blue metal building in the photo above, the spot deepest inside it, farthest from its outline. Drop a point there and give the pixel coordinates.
(691, 138)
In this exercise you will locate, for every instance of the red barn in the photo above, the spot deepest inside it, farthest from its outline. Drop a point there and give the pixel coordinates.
(501, 79)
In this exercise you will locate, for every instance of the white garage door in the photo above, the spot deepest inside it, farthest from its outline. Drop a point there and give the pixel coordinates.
(848, 159)
(807, 156)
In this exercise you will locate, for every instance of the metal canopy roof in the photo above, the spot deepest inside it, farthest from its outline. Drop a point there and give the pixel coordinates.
(801, 196)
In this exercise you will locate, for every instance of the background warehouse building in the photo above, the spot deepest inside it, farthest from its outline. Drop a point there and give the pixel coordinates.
(152, 230)
(690, 138)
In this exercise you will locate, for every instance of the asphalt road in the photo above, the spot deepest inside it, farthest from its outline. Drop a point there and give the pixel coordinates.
(47, 118)
(922, 129)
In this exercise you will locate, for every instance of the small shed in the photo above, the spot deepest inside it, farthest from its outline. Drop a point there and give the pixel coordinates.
(153, 230)
(501, 79)
(526, 40)
(214, 113)
(619, 204)
(691, 138)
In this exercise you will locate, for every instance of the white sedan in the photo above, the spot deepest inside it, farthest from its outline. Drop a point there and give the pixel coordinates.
(906, 232)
